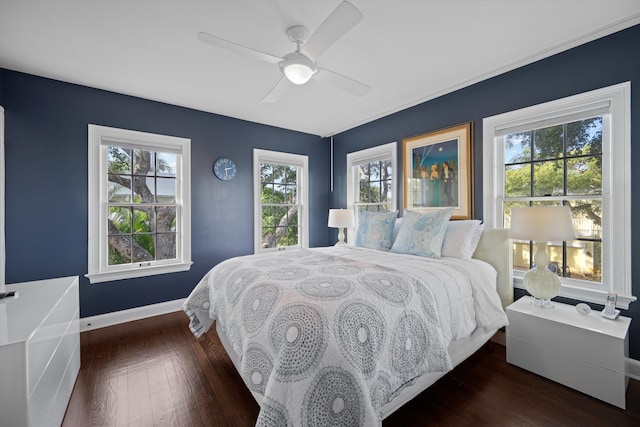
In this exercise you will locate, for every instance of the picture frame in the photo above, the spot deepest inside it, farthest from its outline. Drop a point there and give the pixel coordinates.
(437, 171)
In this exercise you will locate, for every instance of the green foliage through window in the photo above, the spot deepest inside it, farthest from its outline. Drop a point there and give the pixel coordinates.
(141, 209)
(557, 165)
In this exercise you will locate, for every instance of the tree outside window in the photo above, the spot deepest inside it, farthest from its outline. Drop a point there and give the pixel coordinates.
(557, 165)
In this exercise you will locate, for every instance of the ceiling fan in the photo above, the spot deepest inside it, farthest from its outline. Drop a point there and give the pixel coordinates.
(299, 67)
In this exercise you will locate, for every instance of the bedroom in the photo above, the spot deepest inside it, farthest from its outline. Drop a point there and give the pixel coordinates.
(40, 112)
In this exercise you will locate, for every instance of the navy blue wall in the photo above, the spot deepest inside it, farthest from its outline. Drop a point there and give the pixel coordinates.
(603, 62)
(46, 184)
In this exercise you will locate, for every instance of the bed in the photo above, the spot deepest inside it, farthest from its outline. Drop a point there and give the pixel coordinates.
(346, 335)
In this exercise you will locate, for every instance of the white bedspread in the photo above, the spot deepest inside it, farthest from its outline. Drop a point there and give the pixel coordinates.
(329, 335)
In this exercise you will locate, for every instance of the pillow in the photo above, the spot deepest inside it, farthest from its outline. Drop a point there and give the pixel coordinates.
(375, 230)
(422, 234)
(461, 238)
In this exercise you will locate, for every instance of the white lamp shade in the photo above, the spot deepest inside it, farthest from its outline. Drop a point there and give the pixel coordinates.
(542, 223)
(341, 218)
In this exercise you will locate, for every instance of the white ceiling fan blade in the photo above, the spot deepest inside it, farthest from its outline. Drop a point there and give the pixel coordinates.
(342, 19)
(238, 48)
(343, 82)
(277, 91)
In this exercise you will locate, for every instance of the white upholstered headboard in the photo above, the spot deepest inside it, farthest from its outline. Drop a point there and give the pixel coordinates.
(495, 248)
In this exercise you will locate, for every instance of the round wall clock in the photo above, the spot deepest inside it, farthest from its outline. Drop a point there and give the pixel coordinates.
(224, 168)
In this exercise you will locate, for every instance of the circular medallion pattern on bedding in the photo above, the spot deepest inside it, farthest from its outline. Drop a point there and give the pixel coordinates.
(360, 329)
(333, 399)
(258, 305)
(380, 392)
(238, 281)
(341, 269)
(288, 272)
(391, 287)
(272, 261)
(319, 260)
(409, 345)
(298, 335)
(273, 414)
(326, 288)
(427, 301)
(256, 368)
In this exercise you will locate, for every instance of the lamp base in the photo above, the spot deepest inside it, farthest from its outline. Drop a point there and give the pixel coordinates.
(543, 303)
(541, 283)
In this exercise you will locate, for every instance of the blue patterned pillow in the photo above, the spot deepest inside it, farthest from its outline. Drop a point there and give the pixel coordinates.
(422, 234)
(375, 230)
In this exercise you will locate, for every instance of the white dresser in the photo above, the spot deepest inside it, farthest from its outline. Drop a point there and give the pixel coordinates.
(584, 352)
(39, 352)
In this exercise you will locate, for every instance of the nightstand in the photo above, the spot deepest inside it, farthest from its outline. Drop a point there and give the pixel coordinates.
(584, 352)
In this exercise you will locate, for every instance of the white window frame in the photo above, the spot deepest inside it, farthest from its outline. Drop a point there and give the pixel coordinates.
(285, 159)
(100, 137)
(614, 104)
(369, 155)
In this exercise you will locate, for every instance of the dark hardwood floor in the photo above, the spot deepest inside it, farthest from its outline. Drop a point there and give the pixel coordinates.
(153, 372)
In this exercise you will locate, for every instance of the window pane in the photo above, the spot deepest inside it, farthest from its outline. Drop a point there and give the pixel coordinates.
(166, 164)
(548, 178)
(584, 175)
(375, 171)
(166, 246)
(266, 173)
(291, 177)
(143, 162)
(144, 189)
(386, 191)
(143, 248)
(517, 147)
(279, 174)
(517, 180)
(166, 218)
(119, 248)
(587, 218)
(268, 235)
(584, 260)
(144, 220)
(584, 137)
(547, 143)
(118, 189)
(119, 160)
(365, 193)
(119, 220)
(374, 192)
(267, 193)
(166, 191)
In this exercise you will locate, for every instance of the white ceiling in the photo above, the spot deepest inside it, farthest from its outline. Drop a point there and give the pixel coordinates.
(407, 51)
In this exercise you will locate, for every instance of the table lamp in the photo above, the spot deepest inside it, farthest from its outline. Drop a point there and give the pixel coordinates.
(341, 218)
(542, 224)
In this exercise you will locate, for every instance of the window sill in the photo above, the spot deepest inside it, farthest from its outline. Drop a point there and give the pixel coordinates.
(584, 294)
(138, 272)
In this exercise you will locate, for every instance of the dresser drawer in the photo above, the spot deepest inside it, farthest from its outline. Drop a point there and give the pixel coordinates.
(42, 345)
(46, 396)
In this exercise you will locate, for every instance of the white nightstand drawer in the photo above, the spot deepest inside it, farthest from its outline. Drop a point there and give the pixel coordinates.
(575, 342)
(586, 353)
(604, 384)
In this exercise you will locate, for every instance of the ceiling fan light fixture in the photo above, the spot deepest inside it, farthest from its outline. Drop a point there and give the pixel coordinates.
(298, 68)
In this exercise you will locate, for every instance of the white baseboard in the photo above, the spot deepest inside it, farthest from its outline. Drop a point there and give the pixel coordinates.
(109, 319)
(632, 368)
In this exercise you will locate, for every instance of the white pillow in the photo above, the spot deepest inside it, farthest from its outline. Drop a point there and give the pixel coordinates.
(461, 238)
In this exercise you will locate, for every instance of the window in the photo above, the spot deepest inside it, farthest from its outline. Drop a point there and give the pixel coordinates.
(280, 193)
(575, 152)
(139, 204)
(371, 179)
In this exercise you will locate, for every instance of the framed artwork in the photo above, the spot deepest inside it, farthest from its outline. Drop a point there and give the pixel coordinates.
(437, 171)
